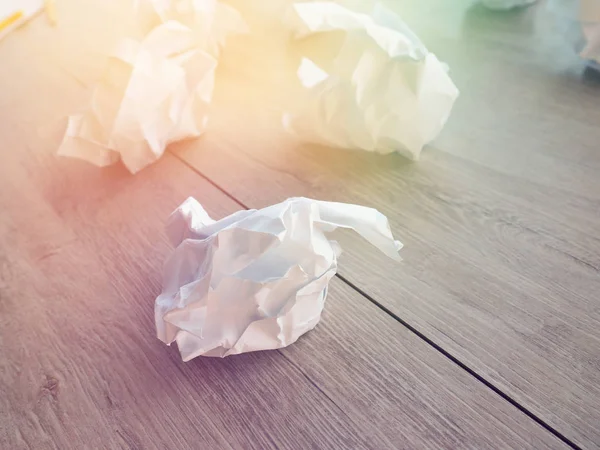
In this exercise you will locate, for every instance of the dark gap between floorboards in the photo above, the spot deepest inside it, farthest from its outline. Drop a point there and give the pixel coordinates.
(416, 332)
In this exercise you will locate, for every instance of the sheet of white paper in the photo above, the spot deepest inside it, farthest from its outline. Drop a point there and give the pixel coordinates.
(384, 92)
(506, 4)
(255, 280)
(211, 21)
(154, 92)
(589, 17)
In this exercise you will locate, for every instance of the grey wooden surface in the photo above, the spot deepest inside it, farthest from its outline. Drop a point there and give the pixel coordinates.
(501, 217)
(81, 251)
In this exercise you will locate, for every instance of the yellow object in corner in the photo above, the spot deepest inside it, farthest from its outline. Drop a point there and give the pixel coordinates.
(14, 13)
(4, 23)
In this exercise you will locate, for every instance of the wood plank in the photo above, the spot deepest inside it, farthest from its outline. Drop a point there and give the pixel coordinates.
(81, 366)
(81, 251)
(500, 217)
(82, 254)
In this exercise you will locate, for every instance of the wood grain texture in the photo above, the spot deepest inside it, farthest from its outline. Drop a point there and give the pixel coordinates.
(500, 217)
(82, 266)
(81, 251)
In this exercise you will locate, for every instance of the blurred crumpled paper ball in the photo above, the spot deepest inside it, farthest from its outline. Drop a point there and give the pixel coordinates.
(153, 93)
(382, 92)
(257, 279)
(156, 90)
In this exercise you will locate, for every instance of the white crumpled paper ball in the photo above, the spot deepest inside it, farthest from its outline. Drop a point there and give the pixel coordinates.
(154, 92)
(257, 279)
(383, 91)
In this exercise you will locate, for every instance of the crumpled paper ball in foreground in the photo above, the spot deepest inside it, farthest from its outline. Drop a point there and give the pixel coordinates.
(383, 92)
(257, 279)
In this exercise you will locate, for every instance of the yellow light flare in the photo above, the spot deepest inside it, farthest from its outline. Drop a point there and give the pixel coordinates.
(5, 23)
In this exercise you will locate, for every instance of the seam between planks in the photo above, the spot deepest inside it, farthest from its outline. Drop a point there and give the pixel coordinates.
(416, 332)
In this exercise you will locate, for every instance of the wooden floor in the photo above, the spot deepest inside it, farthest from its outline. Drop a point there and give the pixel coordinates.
(487, 335)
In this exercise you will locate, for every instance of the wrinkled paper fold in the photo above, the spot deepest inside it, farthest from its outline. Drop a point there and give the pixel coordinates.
(210, 20)
(384, 91)
(257, 279)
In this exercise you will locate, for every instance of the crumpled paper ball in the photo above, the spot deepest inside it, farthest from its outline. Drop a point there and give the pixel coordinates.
(153, 93)
(257, 279)
(156, 90)
(383, 92)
